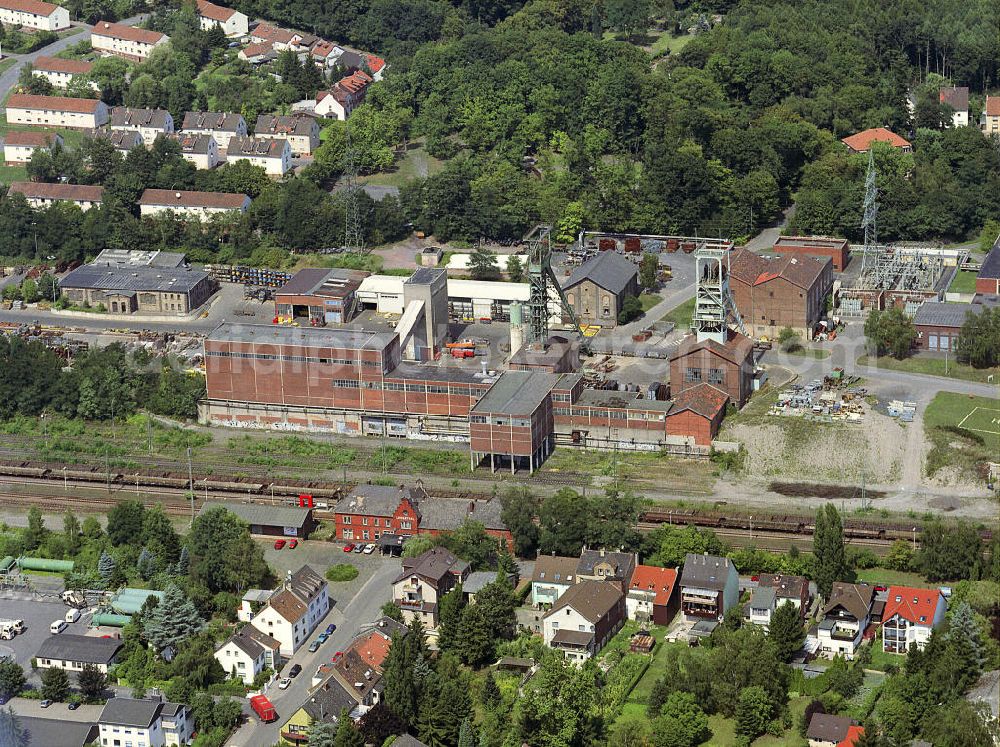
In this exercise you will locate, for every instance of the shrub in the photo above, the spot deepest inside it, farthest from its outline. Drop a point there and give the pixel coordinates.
(341, 572)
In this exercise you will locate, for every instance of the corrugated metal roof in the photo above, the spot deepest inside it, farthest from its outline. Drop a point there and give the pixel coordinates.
(517, 392)
(353, 339)
(934, 314)
(609, 270)
(264, 515)
(138, 279)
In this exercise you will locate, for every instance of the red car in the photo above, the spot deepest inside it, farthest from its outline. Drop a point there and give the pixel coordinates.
(292, 544)
(349, 548)
(278, 544)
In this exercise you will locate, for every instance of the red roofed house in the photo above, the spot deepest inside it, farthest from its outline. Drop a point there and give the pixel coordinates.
(125, 41)
(698, 412)
(652, 595)
(232, 22)
(60, 72)
(19, 147)
(861, 142)
(854, 733)
(200, 204)
(325, 53)
(989, 123)
(910, 616)
(34, 14)
(56, 111)
(728, 367)
(280, 39)
(376, 65)
(347, 93)
(786, 291)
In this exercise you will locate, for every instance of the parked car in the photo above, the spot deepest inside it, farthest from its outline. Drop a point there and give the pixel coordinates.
(278, 544)
(314, 647)
(45, 703)
(284, 682)
(292, 544)
(74, 705)
(295, 670)
(330, 628)
(370, 548)
(359, 548)
(349, 547)
(322, 638)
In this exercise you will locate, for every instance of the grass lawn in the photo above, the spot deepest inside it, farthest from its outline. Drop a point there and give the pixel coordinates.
(964, 432)
(666, 42)
(724, 730)
(685, 476)
(920, 364)
(10, 174)
(649, 300)
(415, 164)
(886, 577)
(950, 408)
(7, 64)
(881, 660)
(817, 353)
(963, 282)
(681, 315)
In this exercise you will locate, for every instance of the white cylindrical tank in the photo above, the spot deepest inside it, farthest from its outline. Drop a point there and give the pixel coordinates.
(516, 326)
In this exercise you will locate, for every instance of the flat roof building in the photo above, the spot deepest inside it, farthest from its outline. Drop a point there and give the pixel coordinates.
(838, 250)
(149, 290)
(274, 521)
(318, 297)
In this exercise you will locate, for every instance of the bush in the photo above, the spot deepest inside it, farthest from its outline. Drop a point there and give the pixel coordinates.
(341, 572)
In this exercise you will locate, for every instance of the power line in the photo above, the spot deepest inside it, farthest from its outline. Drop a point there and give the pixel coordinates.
(353, 235)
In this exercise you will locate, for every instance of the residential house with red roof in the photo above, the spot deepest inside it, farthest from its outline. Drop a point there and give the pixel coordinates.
(197, 204)
(989, 122)
(652, 595)
(56, 111)
(301, 132)
(232, 22)
(830, 730)
(60, 72)
(910, 616)
(34, 14)
(785, 291)
(19, 147)
(45, 194)
(861, 142)
(128, 42)
(346, 95)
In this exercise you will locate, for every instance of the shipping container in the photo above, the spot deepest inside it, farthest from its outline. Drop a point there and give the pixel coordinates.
(632, 246)
(607, 245)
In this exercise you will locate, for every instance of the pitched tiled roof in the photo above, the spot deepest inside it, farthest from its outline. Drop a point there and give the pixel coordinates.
(862, 141)
(221, 121)
(623, 563)
(369, 500)
(993, 106)
(46, 191)
(260, 147)
(286, 604)
(127, 33)
(323, 48)
(855, 598)
(83, 648)
(916, 605)
(957, 97)
(752, 269)
(786, 587)
(253, 642)
(355, 82)
(213, 11)
(854, 733)
(826, 727)
(609, 270)
(591, 599)
(198, 144)
(706, 572)
(305, 583)
(554, 569)
(328, 700)
(451, 513)
(53, 103)
(59, 65)
(271, 33)
(375, 63)
(373, 648)
(29, 6)
(122, 139)
(254, 49)
(935, 314)
(660, 581)
(171, 198)
(703, 399)
(130, 712)
(356, 675)
(33, 139)
(270, 124)
(736, 350)
(125, 116)
(432, 565)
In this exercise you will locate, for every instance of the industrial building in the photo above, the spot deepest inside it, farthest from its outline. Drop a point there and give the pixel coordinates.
(838, 250)
(774, 293)
(938, 325)
(513, 420)
(988, 279)
(728, 367)
(468, 300)
(270, 521)
(597, 289)
(130, 290)
(317, 297)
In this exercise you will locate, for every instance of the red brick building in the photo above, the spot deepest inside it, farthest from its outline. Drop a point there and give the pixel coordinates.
(371, 511)
(838, 250)
(698, 411)
(771, 294)
(988, 280)
(728, 367)
(513, 422)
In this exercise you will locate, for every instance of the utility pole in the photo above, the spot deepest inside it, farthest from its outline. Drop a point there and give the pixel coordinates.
(191, 483)
(107, 467)
(149, 432)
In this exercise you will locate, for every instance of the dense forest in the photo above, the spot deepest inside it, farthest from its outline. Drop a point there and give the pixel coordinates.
(540, 114)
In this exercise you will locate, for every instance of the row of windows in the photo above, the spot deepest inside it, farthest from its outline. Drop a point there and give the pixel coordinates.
(513, 422)
(715, 375)
(294, 358)
(613, 414)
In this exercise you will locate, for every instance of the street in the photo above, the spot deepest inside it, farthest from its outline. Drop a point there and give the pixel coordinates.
(363, 609)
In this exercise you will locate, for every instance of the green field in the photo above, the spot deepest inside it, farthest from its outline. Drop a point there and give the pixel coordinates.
(982, 420)
(964, 432)
(649, 300)
(681, 315)
(923, 364)
(415, 164)
(951, 408)
(963, 282)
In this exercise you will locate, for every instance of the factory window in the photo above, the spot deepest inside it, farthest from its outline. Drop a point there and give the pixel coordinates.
(561, 410)
(458, 389)
(435, 389)
(561, 397)
(715, 376)
(499, 421)
(346, 383)
(415, 388)
(478, 419)
(520, 423)
(373, 385)
(617, 415)
(692, 374)
(393, 387)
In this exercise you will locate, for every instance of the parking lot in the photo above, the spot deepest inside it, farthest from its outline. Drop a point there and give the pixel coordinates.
(37, 616)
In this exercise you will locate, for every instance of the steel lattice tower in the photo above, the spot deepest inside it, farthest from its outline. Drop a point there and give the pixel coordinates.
(353, 234)
(714, 305)
(870, 260)
(540, 275)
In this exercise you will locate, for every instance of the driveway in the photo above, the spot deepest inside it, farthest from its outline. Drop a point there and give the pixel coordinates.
(363, 609)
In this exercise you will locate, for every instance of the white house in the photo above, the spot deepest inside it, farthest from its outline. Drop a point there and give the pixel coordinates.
(232, 22)
(122, 140)
(584, 619)
(200, 150)
(18, 147)
(248, 653)
(292, 613)
(150, 123)
(43, 194)
(325, 54)
(424, 580)
(125, 41)
(60, 72)
(56, 111)
(710, 586)
(552, 577)
(71, 652)
(957, 97)
(909, 617)
(274, 156)
(223, 126)
(845, 618)
(301, 132)
(197, 204)
(346, 95)
(34, 14)
(145, 723)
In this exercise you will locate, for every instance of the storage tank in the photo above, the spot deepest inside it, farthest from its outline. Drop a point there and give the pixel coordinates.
(45, 564)
(111, 621)
(516, 326)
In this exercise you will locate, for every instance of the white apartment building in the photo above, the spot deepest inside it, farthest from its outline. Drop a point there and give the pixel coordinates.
(232, 22)
(60, 72)
(43, 194)
(196, 204)
(56, 111)
(19, 147)
(125, 41)
(292, 613)
(274, 156)
(133, 722)
(34, 14)
(248, 653)
(150, 123)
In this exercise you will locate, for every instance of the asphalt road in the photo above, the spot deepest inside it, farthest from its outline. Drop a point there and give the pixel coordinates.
(363, 609)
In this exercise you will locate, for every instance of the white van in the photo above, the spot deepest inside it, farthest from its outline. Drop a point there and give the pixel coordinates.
(58, 627)
(72, 615)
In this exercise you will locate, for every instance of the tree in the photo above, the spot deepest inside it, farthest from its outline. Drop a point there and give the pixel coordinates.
(515, 270)
(444, 706)
(467, 734)
(475, 644)
(125, 522)
(392, 610)
(34, 534)
(786, 631)
(223, 556)
(900, 556)
(226, 713)
(55, 684)
(681, 723)
(483, 264)
(890, 331)
(146, 564)
(979, 338)
(107, 568)
(628, 16)
(631, 309)
(91, 682)
(450, 617)
(649, 271)
(71, 532)
(519, 510)
(670, 544)
(949, 553)
(12, 678)
(490, 695)
(966, 652)
(173, 620)
(183, 562)
(402, 684)
(960, 723)
(322, 734)
(559, 707)
(11, 731)
(753, 713)
(564, 523)
(828, 549)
